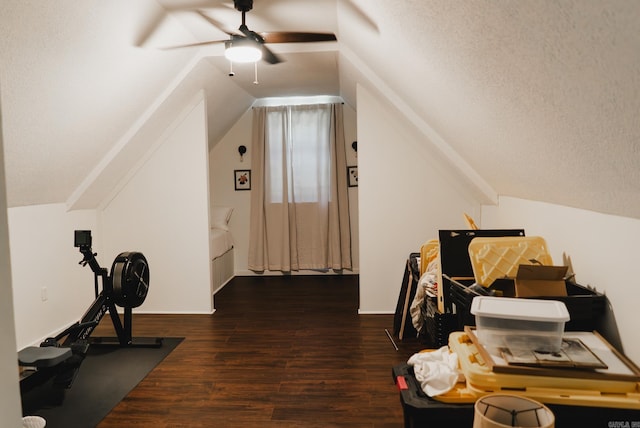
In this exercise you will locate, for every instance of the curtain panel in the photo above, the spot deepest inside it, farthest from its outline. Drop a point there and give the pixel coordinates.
(299, 200)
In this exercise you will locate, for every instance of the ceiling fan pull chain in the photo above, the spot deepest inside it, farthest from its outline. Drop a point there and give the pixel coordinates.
(255, 65)
(231, 73)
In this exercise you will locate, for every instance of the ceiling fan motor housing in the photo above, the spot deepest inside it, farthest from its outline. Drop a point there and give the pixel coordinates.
(243, 5)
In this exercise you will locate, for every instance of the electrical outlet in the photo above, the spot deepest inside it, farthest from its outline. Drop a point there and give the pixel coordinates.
(43, 294)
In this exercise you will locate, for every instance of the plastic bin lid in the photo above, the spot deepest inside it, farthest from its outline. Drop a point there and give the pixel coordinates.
(520, 309)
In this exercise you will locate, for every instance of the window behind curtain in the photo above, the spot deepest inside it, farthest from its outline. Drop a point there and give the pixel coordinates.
(298, 154)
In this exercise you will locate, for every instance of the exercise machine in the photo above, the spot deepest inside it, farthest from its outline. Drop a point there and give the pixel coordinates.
(59, 357)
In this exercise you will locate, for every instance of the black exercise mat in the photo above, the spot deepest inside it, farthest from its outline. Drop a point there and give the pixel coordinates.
(106, 376)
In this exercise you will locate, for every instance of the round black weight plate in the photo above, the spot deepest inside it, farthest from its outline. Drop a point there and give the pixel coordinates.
(130, 276)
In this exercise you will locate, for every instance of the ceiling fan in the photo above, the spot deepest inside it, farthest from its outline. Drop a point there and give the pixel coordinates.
(257, 41)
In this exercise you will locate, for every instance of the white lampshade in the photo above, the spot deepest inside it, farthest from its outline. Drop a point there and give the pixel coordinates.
(242, 51)
(503, 410)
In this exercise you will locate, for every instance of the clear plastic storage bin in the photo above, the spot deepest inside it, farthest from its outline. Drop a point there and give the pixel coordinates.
(522, 324)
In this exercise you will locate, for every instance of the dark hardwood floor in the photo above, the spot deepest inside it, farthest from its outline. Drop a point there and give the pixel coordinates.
(278, 352)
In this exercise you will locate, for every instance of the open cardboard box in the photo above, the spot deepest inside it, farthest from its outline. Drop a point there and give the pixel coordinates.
(534, 281)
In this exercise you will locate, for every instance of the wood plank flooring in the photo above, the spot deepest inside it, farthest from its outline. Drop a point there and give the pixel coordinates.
(281, 352)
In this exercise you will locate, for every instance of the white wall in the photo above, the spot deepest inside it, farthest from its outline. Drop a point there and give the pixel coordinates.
(163, 212)
(43, 257)
(224, 159)
(351, 135)
(405, 196)
(602, 250)
(9, 392)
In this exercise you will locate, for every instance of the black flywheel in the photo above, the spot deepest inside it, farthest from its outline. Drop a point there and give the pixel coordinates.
(130, 278)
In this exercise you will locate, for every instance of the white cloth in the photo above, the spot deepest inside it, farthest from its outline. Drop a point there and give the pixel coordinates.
(437, 371)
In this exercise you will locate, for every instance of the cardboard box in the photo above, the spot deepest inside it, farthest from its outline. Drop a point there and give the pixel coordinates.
(540, 281)
(533, 281)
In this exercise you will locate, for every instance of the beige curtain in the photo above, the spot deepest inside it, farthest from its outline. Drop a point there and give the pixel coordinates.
(299, 201)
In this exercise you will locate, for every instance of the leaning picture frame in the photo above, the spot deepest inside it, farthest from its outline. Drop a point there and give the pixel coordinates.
(242, 179)
(352, 176)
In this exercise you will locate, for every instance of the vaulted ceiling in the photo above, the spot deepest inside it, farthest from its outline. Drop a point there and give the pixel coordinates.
(541, 98)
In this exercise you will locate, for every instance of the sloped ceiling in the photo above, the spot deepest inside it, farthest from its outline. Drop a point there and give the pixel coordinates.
(539, 98)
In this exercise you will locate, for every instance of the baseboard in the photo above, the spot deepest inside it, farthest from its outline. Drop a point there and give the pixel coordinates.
(247, 272)
(174, 312)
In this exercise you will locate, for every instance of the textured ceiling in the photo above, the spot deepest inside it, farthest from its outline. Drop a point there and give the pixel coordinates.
(539, 98)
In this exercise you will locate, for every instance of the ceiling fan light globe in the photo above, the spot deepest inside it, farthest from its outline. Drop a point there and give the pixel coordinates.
(243, 54)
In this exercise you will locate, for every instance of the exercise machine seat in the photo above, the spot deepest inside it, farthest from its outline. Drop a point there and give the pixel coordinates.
(43, 356)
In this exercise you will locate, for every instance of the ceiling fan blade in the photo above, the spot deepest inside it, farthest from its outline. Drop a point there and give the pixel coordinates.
(213, 22)
(296, 37)
(269, 56)
(191, 45)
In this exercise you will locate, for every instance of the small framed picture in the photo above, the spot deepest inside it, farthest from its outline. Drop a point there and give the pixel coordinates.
(352, 176)
(242, 179)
